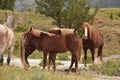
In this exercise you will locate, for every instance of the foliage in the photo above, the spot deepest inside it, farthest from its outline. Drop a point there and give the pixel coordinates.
(111, 16)
(21, 27)
(111, 67)
(52, 8)
(67, 13)
(7, 4)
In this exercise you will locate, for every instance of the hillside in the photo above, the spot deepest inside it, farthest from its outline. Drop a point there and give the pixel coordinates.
(23, 5)
(109, 27)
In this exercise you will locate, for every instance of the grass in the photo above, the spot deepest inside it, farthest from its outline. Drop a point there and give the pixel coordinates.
(111, 68)
(15, 73)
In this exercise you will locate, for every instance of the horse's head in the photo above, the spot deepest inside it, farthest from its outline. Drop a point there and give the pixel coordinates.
(10, 20)
(86, 30)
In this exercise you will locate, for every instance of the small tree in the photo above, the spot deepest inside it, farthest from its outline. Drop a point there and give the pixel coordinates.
(67, 13)
(7, 4)
(52, 8)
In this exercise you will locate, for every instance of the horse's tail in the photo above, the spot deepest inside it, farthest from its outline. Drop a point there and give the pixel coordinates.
(22, 50)
(79, 51)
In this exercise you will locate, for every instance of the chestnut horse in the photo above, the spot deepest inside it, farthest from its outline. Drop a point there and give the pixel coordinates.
(92, 39)
(63, 32)
(7, 38)
(49, 43)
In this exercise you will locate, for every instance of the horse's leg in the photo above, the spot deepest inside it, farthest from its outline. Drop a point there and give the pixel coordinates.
(100, 53)
(76, 63)
(9, 54)
(53, 61)
(93, 55)
(85, 55)
(72, 62)
(50, 59)
(1, 59)
(26, 56)
(44, 59)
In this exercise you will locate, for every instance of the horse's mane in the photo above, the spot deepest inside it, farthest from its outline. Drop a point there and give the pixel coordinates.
(65, 31)
(38, 33)
(86, 24)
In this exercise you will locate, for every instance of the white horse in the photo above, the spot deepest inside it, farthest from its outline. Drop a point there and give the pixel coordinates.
(7, 38)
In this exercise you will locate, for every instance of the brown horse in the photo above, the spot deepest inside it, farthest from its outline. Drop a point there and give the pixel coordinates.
(92, 39)
(50, 44)
(63, 32)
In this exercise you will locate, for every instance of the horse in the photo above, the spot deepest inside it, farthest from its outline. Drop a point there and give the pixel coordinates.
(92, 39)
(51, 44)
(7, 38)
(63, 32)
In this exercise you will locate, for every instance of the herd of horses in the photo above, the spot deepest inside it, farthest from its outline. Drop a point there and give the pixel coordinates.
(51, 42)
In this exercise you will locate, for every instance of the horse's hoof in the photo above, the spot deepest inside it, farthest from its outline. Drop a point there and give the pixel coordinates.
(66, 70)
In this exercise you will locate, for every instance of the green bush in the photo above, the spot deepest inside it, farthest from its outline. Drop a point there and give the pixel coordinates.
(111, 16)
(21, 27)
(119, 40)
(111, 67)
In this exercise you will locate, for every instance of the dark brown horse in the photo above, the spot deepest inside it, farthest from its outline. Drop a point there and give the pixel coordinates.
(50, 43)
(92, 39)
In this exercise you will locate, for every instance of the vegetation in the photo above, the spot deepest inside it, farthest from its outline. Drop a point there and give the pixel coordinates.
(15, 73)
(111, 67)
(7, 4)
(67, 13)
(109, 28)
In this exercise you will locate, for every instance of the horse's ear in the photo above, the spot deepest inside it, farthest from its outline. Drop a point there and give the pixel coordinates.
(75, 30)
(6, 16)
(30, 29)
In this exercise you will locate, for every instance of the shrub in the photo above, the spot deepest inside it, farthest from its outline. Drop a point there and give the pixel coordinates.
(21, 27)
(111, 16)
(111, 67)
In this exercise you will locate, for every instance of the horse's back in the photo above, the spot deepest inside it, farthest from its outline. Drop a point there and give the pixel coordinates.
(10, 37)
(56, 43)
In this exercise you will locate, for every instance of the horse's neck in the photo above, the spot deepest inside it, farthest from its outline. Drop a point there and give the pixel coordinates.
(10, 25)
(10, 22)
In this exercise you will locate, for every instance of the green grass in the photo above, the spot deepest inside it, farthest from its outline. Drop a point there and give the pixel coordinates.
(111, 68)
(106, 13)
